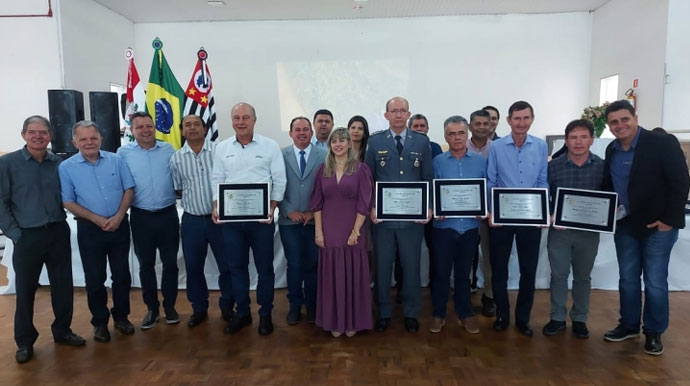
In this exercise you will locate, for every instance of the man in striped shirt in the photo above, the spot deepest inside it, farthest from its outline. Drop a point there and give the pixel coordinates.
(191, 171)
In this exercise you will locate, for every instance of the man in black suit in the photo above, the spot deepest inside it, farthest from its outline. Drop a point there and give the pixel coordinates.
(649, 173)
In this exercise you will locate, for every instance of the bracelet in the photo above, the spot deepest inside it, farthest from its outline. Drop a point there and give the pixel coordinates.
(356, 233)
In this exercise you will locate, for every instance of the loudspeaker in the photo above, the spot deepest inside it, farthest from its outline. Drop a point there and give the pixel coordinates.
(105, 112)
(66, 107)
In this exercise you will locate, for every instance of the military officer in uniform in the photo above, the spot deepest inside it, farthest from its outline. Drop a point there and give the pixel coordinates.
(398, 154)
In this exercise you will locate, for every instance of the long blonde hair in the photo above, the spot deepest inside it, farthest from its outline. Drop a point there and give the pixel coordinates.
(350, 164)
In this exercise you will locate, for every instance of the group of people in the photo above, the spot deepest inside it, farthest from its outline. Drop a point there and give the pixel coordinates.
(323, 185)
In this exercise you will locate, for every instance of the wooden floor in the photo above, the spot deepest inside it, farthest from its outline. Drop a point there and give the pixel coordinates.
(303, 354)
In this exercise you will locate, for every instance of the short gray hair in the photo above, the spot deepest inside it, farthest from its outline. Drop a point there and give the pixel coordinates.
(415, 117)
(85, 124)
(40, 119)
(454, 119)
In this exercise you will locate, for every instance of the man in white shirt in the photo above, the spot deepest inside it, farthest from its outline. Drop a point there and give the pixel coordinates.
(247, 158)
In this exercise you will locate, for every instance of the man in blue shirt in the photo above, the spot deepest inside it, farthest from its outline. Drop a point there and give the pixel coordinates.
(649, 173)
(155, 225)
(97, 188)
(517, 160)
(323, 125)
(455, 239)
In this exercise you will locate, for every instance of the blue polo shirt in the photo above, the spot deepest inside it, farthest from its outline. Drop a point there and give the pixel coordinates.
(97, 187)
(151, 171)
(621, 162)
(471, 165)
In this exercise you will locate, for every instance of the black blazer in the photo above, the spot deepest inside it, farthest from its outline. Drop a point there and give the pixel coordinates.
(659, 182)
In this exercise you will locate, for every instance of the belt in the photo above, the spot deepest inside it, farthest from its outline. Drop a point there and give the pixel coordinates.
(198, 215)
(135, 209)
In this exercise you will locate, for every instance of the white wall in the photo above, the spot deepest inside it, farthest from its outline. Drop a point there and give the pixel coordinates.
(443, 65)
(94, 40)
(629, 38)
(30, 65)
(677, 90)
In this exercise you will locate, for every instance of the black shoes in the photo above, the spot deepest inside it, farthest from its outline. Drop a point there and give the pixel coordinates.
(653, 344)
(237, 323)
(580, 330)
(227, 315)
(265, 325)
(311, 315)
(501, 324)
(620, 334)
(150, 320)
(553, 327)
(294, 316)
(101, 333)
(70, 339)
(124, 326)
(382, 324)
(171, 316)
(524, 328)
(197, 318)
(24, 354)
(488, 307)
(411, 325)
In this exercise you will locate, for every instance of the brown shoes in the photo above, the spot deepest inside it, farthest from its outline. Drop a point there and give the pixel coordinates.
(470, 325)
(437, 325)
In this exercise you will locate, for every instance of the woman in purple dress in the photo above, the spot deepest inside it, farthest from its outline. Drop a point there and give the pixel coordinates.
(340, 202)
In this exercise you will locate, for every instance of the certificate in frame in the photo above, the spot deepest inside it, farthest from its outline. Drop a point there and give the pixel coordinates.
(458, 198)
(520, 206)
(587, 210)
(402, 201)
(243, 202)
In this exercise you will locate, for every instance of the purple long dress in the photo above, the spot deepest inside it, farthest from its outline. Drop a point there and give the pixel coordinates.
(343, 298)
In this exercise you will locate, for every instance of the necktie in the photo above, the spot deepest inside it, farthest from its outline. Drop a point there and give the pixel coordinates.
(302, 162)
(399, 145)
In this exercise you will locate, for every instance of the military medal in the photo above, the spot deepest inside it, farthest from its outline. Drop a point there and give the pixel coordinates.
(383, 163)
(416, 162)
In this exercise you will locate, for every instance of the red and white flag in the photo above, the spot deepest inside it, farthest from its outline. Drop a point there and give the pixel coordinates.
(199, 94)
(136, 97)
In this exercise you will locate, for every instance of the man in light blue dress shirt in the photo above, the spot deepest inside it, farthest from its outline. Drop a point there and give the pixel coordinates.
(97, 188)
(455, 239)
(247, 158)
(518, 160)
(154, 221)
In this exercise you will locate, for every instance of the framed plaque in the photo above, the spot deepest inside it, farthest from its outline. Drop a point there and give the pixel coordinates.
(588, 210)
(402, 201)
(243, 202)
(459, 197)
(520, 206)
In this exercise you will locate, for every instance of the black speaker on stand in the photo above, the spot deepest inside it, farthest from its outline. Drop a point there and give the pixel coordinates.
(105, 112)
(66, 107)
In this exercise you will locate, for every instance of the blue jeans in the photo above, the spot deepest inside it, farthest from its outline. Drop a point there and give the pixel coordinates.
(302, 257)
(649, 255)
(197, 233)
(452, 250)
(239, 237)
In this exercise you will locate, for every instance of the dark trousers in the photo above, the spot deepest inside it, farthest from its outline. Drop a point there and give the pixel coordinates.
(302, 257)
(453, 250)
(527, 239)
(197, 233)
(150, 231)
(239, 237)
(99, 248)
(49, 245)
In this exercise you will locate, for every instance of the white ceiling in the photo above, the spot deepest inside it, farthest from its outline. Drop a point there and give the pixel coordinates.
(148, 11)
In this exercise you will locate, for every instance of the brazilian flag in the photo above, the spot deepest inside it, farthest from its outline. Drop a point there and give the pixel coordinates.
(164, 99)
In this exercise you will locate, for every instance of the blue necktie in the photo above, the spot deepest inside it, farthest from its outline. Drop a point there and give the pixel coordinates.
(302, 162)
(399, 145)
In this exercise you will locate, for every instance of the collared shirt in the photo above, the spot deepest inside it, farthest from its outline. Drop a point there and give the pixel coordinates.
(621, 162)
(315, 142)
(307, 150)
(153, 188)
(510, 166)
(483, 151)
(97, 187)
(259, 161)
(29, 192)
(403, 135)
(191, 173)
(564, 173)
(471, 165)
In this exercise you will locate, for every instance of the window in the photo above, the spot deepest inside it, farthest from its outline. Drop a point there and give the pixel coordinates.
(608, 89)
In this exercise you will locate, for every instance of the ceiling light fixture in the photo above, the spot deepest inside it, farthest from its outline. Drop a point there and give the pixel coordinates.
(215, 3)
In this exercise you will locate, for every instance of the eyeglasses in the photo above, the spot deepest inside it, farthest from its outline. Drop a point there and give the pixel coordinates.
(396, 112)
